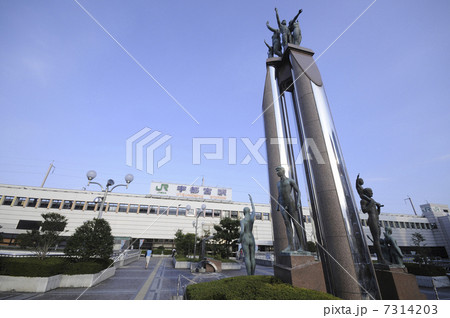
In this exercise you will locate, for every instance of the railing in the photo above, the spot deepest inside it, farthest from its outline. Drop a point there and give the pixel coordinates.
(127, 254)
(23, 253)
(181, 289)
(125, 257)
(265, 255)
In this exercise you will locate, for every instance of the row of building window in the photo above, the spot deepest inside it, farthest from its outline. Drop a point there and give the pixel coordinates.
(120, 207)
(401, 225)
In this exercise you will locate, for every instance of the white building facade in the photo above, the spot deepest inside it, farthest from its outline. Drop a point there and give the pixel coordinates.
(156, 218)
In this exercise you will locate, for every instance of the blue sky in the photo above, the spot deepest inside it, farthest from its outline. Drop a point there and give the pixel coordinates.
(70, 93)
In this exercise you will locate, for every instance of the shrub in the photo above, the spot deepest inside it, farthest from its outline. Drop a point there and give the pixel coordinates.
(251, 288)
(223, 260)
(425, 270)
(311, 247)
(227, 232)
(41, 241)
(184, 243)
(50, 266)
(161, 250)
(88, 267)
(31, 266)
(92, 239)
(181, 258)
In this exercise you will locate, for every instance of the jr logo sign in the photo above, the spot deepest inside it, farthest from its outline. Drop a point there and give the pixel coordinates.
(162, 186)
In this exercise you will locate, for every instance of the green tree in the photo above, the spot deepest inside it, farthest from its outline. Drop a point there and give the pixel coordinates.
(227, 232)
(184, 243)
(40, 241)
(311, 247)
(418, 239)
(93, 239)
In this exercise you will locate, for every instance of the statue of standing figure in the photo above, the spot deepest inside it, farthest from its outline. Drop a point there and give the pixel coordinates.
(288, 207)
(395, 253)
(289, 34)
(294, 28)
(270, 50)
(247, 239)
(285, 33)
(276, 44)
(373, 209)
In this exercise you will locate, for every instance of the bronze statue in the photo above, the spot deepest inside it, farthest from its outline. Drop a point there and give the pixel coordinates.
(294, 29)
(270, 50)
(288, 207)
(395, 253)
(285, 33)
(247, 240)
(373, 209)
(276, 44)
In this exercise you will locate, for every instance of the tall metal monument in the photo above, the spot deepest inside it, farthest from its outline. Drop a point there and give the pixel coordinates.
(346, 262)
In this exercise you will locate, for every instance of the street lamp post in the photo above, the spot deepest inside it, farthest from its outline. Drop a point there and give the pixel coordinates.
(91, 174)
(196, 226)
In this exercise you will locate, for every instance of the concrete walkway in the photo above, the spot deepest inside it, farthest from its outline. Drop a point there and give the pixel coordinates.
(159, 281)
(133, 281)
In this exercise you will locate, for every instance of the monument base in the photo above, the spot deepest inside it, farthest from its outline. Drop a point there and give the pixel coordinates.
(395, 283)
(300, 270)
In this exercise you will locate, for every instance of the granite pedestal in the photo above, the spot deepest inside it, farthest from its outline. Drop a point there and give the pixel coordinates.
(300, 271)
(395, 283)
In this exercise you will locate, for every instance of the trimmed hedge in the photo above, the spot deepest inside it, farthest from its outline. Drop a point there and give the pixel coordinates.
(425, 270)
(180, 258)
(157, 252)
(50, 266)
(252, 288)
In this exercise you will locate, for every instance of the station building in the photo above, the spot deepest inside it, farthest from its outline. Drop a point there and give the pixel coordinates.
(150, 221)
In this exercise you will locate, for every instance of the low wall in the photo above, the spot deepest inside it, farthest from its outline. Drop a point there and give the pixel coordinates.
(127, 257)
(265, 258)
(43, 284)
(29, 284)
(180, 264)
(231, 266)
(263, 262)
(86, 280)
(187, 265)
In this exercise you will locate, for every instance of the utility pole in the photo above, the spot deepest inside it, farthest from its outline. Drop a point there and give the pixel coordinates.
(410, 201)
(48, 172)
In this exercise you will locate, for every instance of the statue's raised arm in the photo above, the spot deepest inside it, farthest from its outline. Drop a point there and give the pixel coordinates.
(359, 186)
(284, 30)
(270, 28)
(278, 18)
(276, 42)
(295, 18)
(253, 206)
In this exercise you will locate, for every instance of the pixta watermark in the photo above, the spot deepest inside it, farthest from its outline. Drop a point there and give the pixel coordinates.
(141, 150)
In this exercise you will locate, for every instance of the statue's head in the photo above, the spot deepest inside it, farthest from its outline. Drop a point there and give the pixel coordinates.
(368, 192)
(280, 171)
(283, 22)
(388, 230)
(246, 210)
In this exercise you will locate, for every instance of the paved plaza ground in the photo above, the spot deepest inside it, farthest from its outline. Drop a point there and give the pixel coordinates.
(133, 281)
(159, 282)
